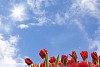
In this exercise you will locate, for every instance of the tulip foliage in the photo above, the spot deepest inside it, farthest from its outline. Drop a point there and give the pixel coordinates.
(64, 61)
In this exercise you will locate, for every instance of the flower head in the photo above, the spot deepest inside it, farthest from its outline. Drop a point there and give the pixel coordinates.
(74, 55)
(94, 57)
(84, 55)
(64, 57)
(28, 61)
(52, 59)
(43, 53)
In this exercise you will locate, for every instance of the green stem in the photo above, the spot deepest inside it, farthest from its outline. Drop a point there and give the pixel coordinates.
(46, 61)
(39, 65)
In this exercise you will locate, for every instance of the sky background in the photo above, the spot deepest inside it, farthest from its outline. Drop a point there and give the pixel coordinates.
(60, 26)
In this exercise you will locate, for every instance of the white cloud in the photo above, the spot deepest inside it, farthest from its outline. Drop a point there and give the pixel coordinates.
(86, 7)
(95, 43)
(81, 27)
(1, 37)
(13, 39)
(4, 24)
(79, 24)
(23, 26)
(90, 5)
(59, 19)
(7, 28)
(79, 9)
(8, 51)
(36, 6)
(40, 21)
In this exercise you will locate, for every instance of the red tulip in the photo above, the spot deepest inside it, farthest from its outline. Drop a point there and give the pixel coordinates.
(64, 62)
(84, 55)
(74, 56)
(94, 57)
(52, 59)
(64, 57)
(43, 53)
(28, 61)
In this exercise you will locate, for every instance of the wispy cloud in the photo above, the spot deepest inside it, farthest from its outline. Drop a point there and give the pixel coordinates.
(78, 9)
(4, 25)
(83, 7)
(8, 52)
(82, 29)
(60, 20)
(95, 43)
(36, 6)
(23, 26)
(90, 7)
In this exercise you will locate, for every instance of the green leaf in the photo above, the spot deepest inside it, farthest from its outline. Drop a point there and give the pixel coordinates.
(64, 62)
(57, 59)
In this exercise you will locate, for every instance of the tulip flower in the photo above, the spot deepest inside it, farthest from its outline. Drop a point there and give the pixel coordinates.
(84, 55)
(64, 61)
(74, 56)
(43, 53)
(95, 58)
(52, 59)
(28, 61)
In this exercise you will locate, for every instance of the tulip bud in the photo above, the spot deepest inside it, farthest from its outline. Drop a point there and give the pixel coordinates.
(28, 61)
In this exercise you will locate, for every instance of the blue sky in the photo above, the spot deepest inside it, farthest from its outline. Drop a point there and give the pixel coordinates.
(60, 26)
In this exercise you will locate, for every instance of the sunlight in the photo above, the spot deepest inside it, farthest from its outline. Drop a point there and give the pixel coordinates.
(18, 13)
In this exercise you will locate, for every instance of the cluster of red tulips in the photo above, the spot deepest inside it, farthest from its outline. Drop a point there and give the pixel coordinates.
(64, 61)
